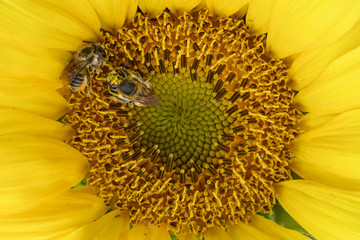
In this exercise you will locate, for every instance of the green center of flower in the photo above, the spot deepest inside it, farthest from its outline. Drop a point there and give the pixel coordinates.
(210, 153)
(186, 124)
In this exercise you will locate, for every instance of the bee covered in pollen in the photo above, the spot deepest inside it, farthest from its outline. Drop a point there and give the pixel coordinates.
(129, 87)
(77, 74)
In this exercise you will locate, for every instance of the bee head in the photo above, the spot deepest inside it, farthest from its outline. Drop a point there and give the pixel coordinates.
(101, 51)
(85, 51)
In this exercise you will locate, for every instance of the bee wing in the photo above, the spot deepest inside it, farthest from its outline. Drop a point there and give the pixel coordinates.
(147, 96)
(73, 68)
(152, 100)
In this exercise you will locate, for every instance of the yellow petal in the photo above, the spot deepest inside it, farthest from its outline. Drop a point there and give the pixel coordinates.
(309, 65)
(241, 12)
(16, 121)
(158, 233)
(258, 15)
(297, 26)
(248, 232)
(145, 231)
(35, 170)
(139, 231)
(46, 104)
(152, 7)
(114, 225)
(225, 7)
(132, 10)
(314, 120)
(259, 229)
(178, 7)
(273, 229)
(86, 189)
(189, 236)
(26, 86)
(63, 213)
(199, 7)
(82, 10)
(330, 153)
(336, 90)
(262, 229)
(5, 34)
(326, 213)
(217, 233)
(114, 13)
(46, 24)
(32, 66)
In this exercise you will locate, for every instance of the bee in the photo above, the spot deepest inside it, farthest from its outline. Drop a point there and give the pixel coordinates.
(129, 87)
(85, 61)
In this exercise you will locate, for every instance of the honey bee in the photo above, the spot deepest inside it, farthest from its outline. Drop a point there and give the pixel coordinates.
(129, 87)
(85, 61)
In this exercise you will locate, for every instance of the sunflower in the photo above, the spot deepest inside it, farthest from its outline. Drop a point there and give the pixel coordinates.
(259, 112)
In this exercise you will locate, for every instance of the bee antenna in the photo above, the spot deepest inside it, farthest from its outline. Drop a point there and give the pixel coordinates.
(123, 67)
(87, 42)
(104, 89)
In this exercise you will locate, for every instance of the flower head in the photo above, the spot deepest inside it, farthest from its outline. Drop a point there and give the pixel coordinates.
(186, 117)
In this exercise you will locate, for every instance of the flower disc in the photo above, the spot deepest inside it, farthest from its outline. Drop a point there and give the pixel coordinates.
(211, 152)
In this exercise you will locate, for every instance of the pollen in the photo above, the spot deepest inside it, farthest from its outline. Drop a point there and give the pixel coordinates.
(210, 153)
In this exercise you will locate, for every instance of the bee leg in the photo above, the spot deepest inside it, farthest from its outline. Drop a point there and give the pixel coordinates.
(91, 68)
(89, 82)
(97, 71)
(115, 99)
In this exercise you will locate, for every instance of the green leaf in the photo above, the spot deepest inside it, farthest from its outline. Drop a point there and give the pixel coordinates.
(173, 236)
(61, 118)
(82, 183)
(281, 217)
(265, 215)
(295, 176)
